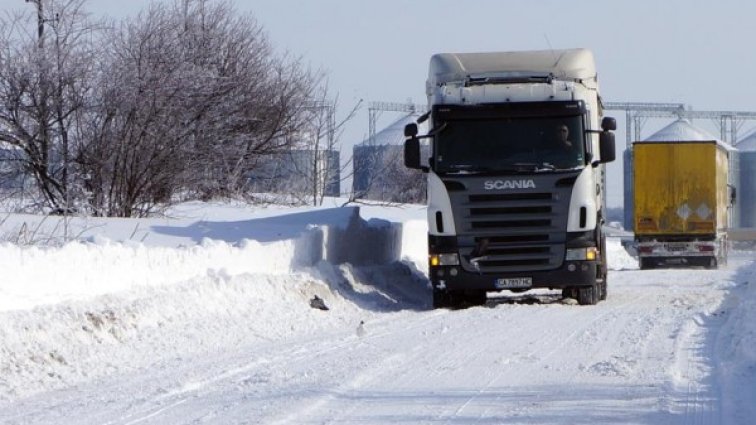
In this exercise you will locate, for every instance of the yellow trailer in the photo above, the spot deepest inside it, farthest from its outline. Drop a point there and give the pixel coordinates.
(681, 201)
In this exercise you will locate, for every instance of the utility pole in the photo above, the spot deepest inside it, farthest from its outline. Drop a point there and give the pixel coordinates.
(40, 22)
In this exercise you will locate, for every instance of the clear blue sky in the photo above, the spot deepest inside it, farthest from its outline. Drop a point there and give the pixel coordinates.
(696, 52)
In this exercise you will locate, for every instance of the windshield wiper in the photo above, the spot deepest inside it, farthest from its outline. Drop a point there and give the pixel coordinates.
(532, 166)
(518, 167)
(468, 169)
(435, 131)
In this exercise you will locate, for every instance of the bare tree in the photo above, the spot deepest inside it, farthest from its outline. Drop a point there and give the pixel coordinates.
(45, 68)
(382, 176)
(396, 183)
(186, 99)
(192, 98)
(315, 169)
(262, 102)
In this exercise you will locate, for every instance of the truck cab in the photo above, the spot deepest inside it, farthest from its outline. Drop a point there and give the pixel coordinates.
(515, 173)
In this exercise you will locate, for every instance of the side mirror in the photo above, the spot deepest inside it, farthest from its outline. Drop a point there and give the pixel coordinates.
(410, 130)
(412, 151)
(606, 145)
(608, 124)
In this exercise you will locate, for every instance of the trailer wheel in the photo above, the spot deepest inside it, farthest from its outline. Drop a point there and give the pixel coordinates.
(645, 264)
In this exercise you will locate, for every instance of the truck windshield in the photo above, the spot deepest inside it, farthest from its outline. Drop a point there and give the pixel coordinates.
(505, 144)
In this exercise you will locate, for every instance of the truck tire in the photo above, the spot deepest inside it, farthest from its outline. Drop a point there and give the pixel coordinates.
(588, 295)
(603, 269)
(569, 293)
(476, 298)
(645, 264)
(447, 299)
(712, 263)
(441, 298)
(458, 299)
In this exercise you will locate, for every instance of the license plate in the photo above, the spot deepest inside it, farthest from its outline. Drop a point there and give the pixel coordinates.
(514, 282)
(676, 247)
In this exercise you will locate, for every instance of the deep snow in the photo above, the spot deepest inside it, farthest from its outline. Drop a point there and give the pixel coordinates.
(204, 317)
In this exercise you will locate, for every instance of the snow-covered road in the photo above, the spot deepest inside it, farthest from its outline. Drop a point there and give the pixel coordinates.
(655, 352)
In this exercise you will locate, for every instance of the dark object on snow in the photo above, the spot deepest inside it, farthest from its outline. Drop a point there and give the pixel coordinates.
(317, 302)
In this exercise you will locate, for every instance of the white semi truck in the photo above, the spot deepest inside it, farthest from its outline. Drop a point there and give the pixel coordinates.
(515, 174)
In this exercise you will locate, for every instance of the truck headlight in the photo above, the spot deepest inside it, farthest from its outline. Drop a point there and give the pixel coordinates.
(581, 254)
(444, 260)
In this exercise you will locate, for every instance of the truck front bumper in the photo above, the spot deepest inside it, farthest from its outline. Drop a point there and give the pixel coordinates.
(570, 274)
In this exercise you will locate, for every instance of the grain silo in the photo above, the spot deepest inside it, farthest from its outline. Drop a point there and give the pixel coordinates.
(747, 190)
(379, 172)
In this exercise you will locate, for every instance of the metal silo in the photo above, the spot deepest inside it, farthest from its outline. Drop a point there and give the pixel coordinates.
(746, 196)
(735, 187)
(627, 180)
(378, 166)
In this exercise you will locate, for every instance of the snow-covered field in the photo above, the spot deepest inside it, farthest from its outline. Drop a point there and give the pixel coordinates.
(205, 317)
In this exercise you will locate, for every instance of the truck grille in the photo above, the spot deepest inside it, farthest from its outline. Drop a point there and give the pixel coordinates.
(513, 230)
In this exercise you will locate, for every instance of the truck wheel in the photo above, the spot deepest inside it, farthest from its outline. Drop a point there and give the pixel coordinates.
(588, 295)
(476, 298)
(603, 269)
(447, 299)
(645, 264)
(712, 263)
(440, 298)
(569, 293)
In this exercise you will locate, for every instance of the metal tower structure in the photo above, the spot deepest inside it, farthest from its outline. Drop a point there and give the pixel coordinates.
(636, 113)
(375, 108)
(326, 111)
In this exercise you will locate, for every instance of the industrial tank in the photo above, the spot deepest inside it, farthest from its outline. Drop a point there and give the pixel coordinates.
(627, 178)
(747, 187)
(379, 172)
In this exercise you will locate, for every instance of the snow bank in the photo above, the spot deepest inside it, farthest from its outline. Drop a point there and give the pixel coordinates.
(60, 345)
(737, 345)
(88, 309)
(619, 259)
(81, 270)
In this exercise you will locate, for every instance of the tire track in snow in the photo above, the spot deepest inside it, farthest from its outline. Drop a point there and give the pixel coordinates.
(554, 342)
(369, 372)
(694, 353)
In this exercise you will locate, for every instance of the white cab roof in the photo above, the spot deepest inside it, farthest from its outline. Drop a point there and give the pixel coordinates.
(569, 64)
